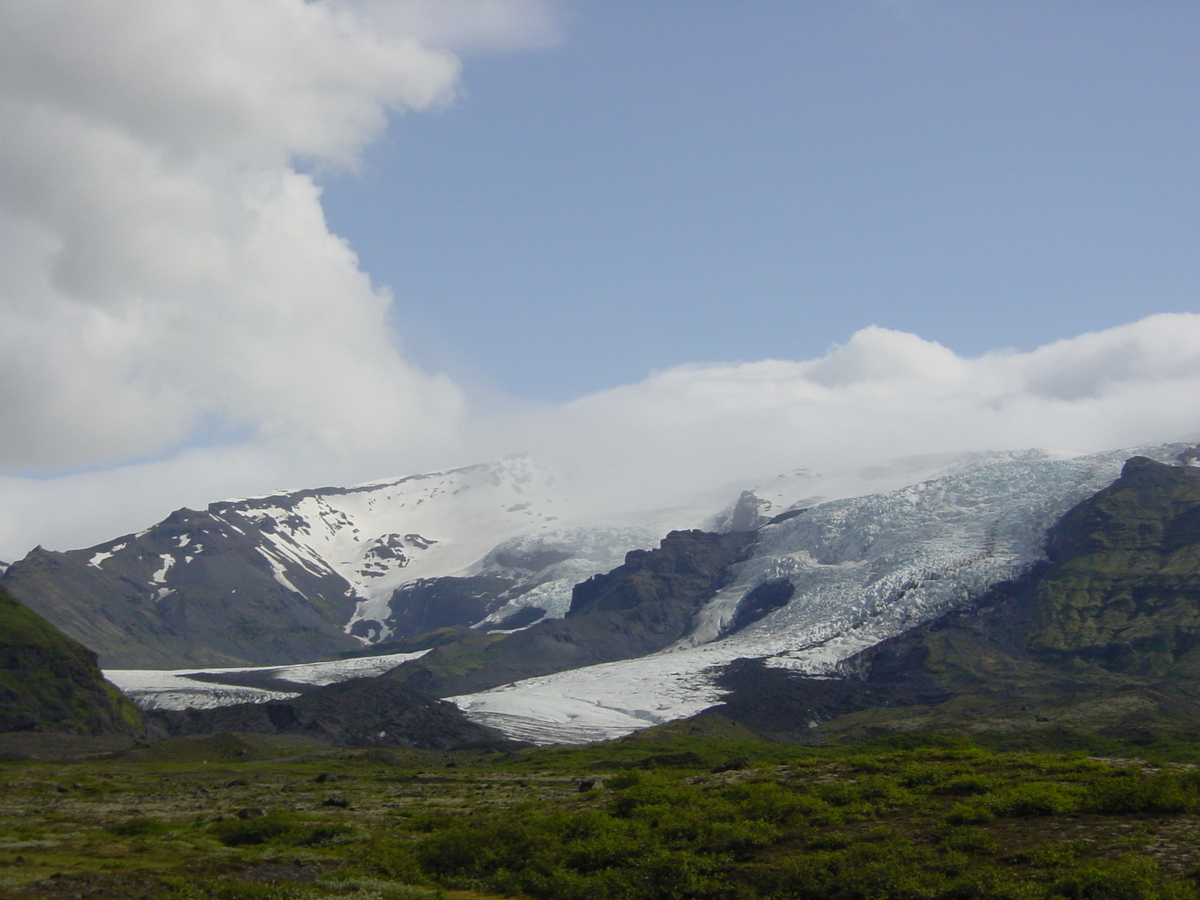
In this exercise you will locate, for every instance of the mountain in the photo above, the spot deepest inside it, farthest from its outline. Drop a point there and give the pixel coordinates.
(48, 682)
(1103, 635)
(549, 627)
(860, 570)
(311, 574)
(642, 606)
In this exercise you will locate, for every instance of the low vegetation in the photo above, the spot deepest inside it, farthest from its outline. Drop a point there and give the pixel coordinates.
(669, 817)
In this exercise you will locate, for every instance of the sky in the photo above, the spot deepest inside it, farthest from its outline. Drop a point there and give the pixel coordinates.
(664, 247)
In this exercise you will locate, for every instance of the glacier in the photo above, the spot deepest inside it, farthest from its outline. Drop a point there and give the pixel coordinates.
(864, 568)
(177, 689)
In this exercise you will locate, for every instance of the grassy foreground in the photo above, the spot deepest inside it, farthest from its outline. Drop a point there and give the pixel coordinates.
(236, 818)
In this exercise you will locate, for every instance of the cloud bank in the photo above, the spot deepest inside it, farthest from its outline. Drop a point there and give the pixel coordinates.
(883, 394)
(178, 324)
(704, 432)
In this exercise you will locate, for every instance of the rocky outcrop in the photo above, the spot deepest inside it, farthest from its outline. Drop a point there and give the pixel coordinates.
(50, 683)
(361, 712)
(430, 604)
(1123, 588)
(638, 608)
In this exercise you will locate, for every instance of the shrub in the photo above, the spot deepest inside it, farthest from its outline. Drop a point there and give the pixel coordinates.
(393, 859)
(1038, 798)
(451, 852)
(322, 834)
(237, 889)
(138, 827)
(967, 785)
(1167, 794)
(604, 852)
(740, 837)
(969, 814)
(271, 828)
(1123, 879)
(971, 841)
(779, 805)
(928, 774)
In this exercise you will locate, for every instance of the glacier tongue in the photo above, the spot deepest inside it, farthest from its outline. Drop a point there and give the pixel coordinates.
(864, 569)
(176, 689)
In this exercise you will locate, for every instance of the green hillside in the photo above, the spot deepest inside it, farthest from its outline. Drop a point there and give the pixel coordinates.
(48, 682)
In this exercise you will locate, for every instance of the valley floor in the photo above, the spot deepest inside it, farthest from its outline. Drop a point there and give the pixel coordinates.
(651, 816)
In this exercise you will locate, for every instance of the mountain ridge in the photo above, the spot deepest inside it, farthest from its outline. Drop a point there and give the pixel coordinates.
(322, 572)
(822, 578)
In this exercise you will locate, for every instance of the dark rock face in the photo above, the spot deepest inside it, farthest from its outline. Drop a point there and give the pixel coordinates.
(361, 712)
(197, 589)
(427, 605)
(686, 569)
(746, 514)
(638, 608)
(1103, 635)
(760, 602)
(48, 682)
(783, 704)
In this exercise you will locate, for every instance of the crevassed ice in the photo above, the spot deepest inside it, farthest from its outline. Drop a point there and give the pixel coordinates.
(864, 569)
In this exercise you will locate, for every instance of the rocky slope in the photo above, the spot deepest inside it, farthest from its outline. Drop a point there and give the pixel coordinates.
(200, 588)
(642, 606)
(50, 683)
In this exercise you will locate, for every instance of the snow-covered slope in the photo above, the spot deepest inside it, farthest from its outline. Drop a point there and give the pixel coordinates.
(502, 519)
(310, 574)
(378, 536)
(863, 569)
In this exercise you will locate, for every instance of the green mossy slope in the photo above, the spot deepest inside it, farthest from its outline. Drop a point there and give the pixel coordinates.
(48, 682)
(1124, 588)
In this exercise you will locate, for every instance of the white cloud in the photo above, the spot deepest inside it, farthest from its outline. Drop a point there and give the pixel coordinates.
(883, 394)
(166, 274)
(687, 431)
(165, 268)
(468, 24)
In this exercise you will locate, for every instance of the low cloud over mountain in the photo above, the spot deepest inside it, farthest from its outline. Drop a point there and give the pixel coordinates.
(178, 322)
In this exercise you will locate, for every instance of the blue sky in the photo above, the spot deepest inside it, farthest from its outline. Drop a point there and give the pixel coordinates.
(675, 182)
(665, 247)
